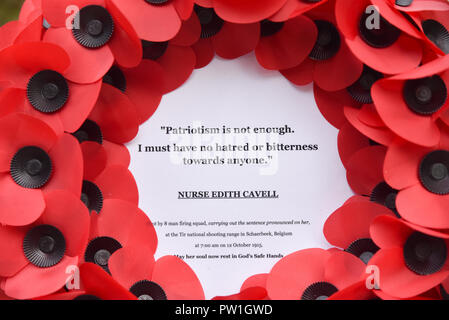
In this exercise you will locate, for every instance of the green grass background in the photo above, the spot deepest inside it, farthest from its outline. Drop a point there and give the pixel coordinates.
(9, 10)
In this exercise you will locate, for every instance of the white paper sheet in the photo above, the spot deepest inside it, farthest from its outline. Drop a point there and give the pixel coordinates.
(264, 210)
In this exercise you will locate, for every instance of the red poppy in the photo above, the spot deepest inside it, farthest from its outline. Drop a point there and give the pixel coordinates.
(411, 103)
(285, 45)
(156, 20)
(249, 11)
(40, 253)
(383, 47)
(294, 8)
(39, 70)
(412, 259)
(350, 140)
(348, 227)
(330, 64)
(30, 10)
(254, 288)
(136, 231)
(228, 40)
(33, 161)
(103, 36)
(176, 57)
(313, 274)
(168, 278)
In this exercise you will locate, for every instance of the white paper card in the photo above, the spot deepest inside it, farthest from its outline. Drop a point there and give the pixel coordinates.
(237, 168)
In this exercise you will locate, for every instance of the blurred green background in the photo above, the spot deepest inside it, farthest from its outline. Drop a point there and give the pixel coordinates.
(9, 10)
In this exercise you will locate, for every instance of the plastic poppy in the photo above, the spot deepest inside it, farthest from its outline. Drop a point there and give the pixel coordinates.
(421, 176)
(253, 288)
(374, 40)
(313, 274)
(330, 64)
(411, 103)
(40, 71)
(94, 36)
(156, 20)
(348, 227)
(168, 278)
(136, 231)
(176, 57)
(33, 161)
(412, 259)
(228, 40)
(40, 253)
(249, 11)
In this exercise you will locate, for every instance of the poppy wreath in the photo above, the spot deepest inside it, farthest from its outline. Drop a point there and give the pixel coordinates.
(75, 88)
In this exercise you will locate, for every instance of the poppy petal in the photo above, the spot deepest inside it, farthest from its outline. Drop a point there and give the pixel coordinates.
(184, 8)
(178, 64)
(136, 228)
(95, 158)
(397, 280)
(177, 279)
(66, 154)
(145, 86)
(12, 259)
(125, 190)
(350, 140)
(189, 33)
(151, 22)
(365, 169)
(45, 280)
(387, 96)
(86, 65)
(401, 164)
(290, 46)
(99, 283)
(204, 52)
(128, 265)
(20, 130)
(258, 280)
(302, 74)
(421, 207)
(117, 154)
(381, 135)
(338, 72)
(343, 269)
(339, 232)
(293, 8)
(294, 273)
(81, 101)
(249, 11)
(236, 40)
(67, 212)
(116, 115)
(331, 104)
